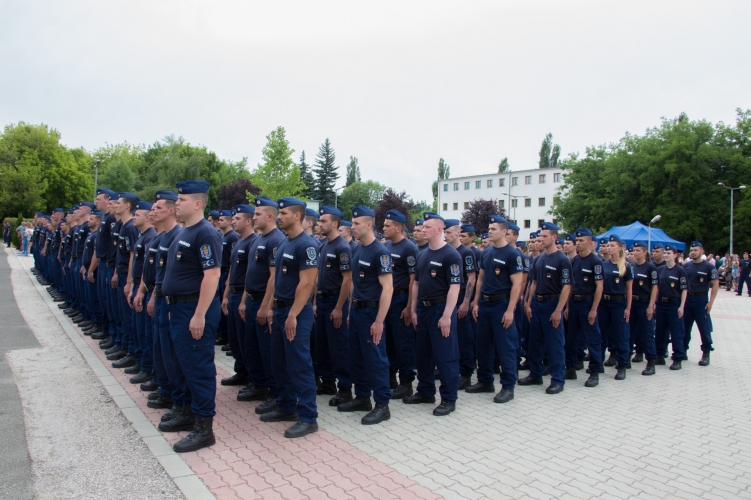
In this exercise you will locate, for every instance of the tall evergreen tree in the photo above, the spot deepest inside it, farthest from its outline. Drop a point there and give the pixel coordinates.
(444, 172)
(503, 166)
(326, 174)
(549, 153)
(353, 171)
(306, 176)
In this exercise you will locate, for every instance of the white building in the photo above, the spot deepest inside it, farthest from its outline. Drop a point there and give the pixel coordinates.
(525, 195)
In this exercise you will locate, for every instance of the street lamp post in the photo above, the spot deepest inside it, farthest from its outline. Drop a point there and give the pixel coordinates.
(96, 176)
(656, 218)
(514, 197)
(731, 189)
(336, 196)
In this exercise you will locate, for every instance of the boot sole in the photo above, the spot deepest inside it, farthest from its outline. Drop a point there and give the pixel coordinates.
(185, 427)
(195, 447)
(382, 419)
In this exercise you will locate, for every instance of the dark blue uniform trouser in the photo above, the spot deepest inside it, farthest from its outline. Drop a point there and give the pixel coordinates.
(466, 342)
(127, 341)
(223, 328)
(116, 324)
(668, 322)
(195, 370)
(257, 349)
(519, 323)
(368, 362)
(78, 285)
(695, 310)
(544, 340)
(744, 277)
(642, 330)
(164, 354)
(332, 344)
(615, 330)
(433, 349)
(92, 298)
(293, 365)
(144, 327)
(400, 340)
(578, 328)
(492, 339)
(236, 332)
(102, 271)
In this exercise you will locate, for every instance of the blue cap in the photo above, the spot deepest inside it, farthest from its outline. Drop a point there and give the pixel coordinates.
(290, 202)
(361, 211)
(309, 212)
(548, 226)
(468, 228)
(497, 219)
(39, 214)
(75, 207)
(630, 249)
(431, 215)
(616, 238)
(452, 222)
(192, 187)
(640, 244)
(697, 244)
(396, 216)
(520, 244)
(571, 237)
(584, 231)
(71, 211)
(347, 223)
(329, 210)
(225, 213)
(419, 222)
(671, 247)
(166, 194)
(245, 209)
(560, 241)
(108, 192)
(87, 204)
(97, 213)
(262, 201)
(603, 241)
(533, 235)
(58, 210)
(513, 227)
(64, 219)
(129, 196)
(655, 246)
(143, 205)
(379, 236)
(485, 236)
(214, 213)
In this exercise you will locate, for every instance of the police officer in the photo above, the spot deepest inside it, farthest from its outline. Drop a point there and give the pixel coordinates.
(345, 231)
(464, 328)
(500, 285)
(242, 223)
(512, 237)
(113, 304)
(701, 274)
(332, 309)
(311, 219)
(190, 285)
(586, 293)
(89, 277)
(400, 335)
(658, 254)
(548, 294)
(673, 290)
(569, 246)
(99, 264)
(420, 240)
(372, 289)
(296, 270)
(438, 280)
(744, 268)
(644, 296)
(229, 237)
(485, 237)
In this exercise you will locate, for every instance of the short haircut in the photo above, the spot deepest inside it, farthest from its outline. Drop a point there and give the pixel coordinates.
(203, 197)
(246, 215)
(311, 218)
(502, 225)
(298, 209)
(337, 219)
(131, 205)
(267, 210)
(514, 232)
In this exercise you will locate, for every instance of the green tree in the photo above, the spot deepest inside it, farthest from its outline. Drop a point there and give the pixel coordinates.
(326, 174)
(503, 166)
(366, 193)
(131, 155)
(119, 177)
(353, 171)
(306, 177)
(549, 153)
(444, 172)
(420, 208)
(278, 176)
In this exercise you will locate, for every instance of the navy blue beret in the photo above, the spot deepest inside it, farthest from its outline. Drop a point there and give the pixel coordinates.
(452, 222)
(361, 211)
(143, 205)
(468, 228)
(192, 187)
(397, 216)
(548, 226)
(245, 209)
(584, 231)
(166, 194)
(329, 210)
(431, 215)
(262, 201)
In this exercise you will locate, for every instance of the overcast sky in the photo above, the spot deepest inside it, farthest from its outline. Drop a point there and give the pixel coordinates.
(396, 84)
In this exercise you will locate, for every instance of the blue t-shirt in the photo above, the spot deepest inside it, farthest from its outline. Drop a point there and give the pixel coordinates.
(127, 237)
(585, 272)
(334, 259)
(162, 253)
(700, 276)
(352, 245)
(499, 265)
(403, 262)
(368, 263)
(613, 282)
(469, 265)
(195, 250)
(261, 258)
(645, 277)
(422, 248)
(140, 251)
(239, 260)
(150, 264)
(551, 272)
(89, 247)
(228, 241)
(104, 237)
(292, 256)
(663, 263)
(436, 271)
(671, 282)
(114, 241)
(82, 233)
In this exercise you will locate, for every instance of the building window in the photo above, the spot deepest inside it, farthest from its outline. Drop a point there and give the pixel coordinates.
(490, 183)
(501, 182)
(456, 186)
(445, 187)
(541, 202)
(542, 178)
(539, 222)
(527, 223)
(501, 203)
(466, 185)
(445, 207)
(466, 205)
(513, 203)
(556, 177)
(527, 179)
(478, 184)
(527, 202)
(456, 206)
(514, 181)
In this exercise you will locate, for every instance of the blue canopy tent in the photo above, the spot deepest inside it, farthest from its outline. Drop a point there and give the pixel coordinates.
(639, 232)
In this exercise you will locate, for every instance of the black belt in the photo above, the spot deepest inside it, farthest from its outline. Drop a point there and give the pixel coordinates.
(495, 298)
(110, 264)
(224, 270)
(149, 288)
(136, 283)
(579, 298)
(283, 302)
(669, 299)
(176, 299)
(256, 296)
(331, 292)
(434, 302)
(546, 298)
(158, 293)
(697, 294)
(400, 291)
(76, 255)
(237, 289)
(614, 297)
(364, 304)
(640, 297)
(121, 270)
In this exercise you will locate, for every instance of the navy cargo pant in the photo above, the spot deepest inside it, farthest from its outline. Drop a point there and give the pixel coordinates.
(695, 310)
(668, 323)
(257, 349)
(435, 350)
(400, 340)
(102, 283)
(126, 315)
(544, 339)
(578, 326)
(492, 339)
(466, 342)
(615, 329)
(165, 359)
(116, 324)
(236, 333)
(293, 365)
(332, 344)
(368, 362)
(144, 333)
(92, 297)
(642, 330)
(223, 328)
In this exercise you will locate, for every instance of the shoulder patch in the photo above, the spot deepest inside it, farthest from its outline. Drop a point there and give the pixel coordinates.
(205, 252)
(654, 275)
(519, 260)
(311, 252)
(468, 260)
(344, 258)
(565, 273)
(454, 270)
(598, 269)
(410, 261)
(683, 281)
(385, 261)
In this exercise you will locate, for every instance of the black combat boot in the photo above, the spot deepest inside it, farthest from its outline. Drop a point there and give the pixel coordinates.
(201, 436)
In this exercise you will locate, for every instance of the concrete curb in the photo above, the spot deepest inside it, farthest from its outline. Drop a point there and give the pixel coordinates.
(183, 476)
